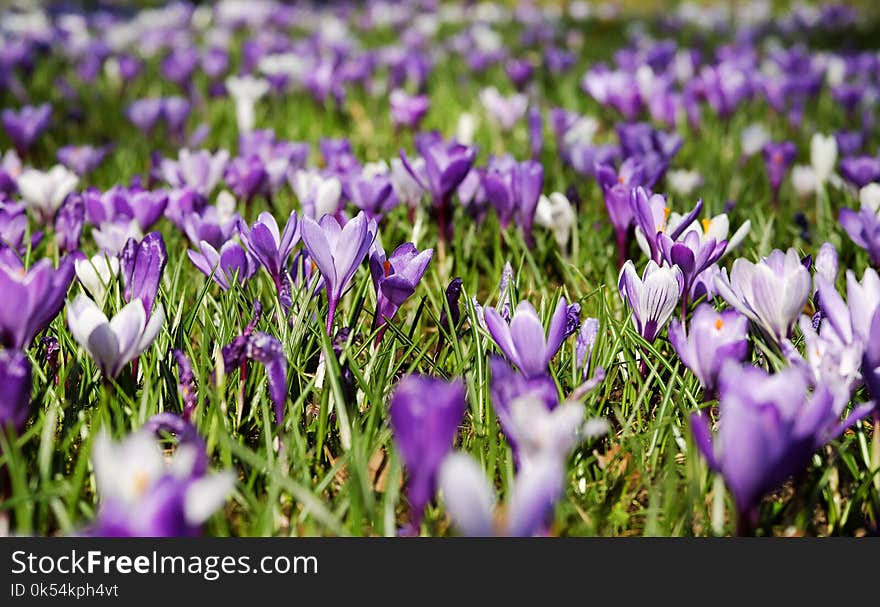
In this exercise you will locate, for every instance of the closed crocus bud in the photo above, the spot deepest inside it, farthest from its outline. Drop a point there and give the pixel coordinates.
(823, 156)
(652, 298)
(15, 377)
(425, 413)
(96, 274)
(69, 223)
(826, 262)
(465, 129)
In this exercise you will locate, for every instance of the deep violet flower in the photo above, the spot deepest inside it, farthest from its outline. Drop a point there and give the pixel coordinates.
(31, 298)
(15, 377)
(425, 413)
(141, 265)
(395, 278)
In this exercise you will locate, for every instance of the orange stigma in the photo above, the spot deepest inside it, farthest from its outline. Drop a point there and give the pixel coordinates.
(387, 265)
(620, 179)
(718, 324)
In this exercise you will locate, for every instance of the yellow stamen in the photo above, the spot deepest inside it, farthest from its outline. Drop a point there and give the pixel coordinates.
(706, 223)
(141, 482)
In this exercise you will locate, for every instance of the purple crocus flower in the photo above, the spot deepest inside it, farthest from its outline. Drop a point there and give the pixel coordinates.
(860, 170)
(82, 159)
(230, 264)
(407, 111)
(863, 227)
(395, 278)
(652, 298)
(373, 194)
(186, 384)
(145, 494)
(770, 293)
(247, 177)
(446, 166)
(15, 377)
(31, 298)
(712, 339)
(617, 187)
(337, 252)
(514, 189)
(693, 254)
(10, 169)
(524, 341)
(122, 204)
(271, 246)
(425, 413)
(778, 158)
(13, 225)
(520, 72)
(214, 224)
(141, 266)
(69, 223)
(267, 350)
(145, 113)
(769, 428)
(25, 125)
(199, 170)
(508, 385)
(535, 122)
(651, 216)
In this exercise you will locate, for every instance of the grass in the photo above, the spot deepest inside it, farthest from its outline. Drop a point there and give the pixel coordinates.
(332, 468)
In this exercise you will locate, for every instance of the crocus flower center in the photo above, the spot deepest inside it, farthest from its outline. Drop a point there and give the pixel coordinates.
(621, 179)
(777, 158)
(718, 324)
(141, 482)
(707, 223)
(387, 265)
(662, 226)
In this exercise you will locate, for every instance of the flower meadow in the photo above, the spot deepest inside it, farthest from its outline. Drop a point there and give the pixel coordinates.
(493, 269)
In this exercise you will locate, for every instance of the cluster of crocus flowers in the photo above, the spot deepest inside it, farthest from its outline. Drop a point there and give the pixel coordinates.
(546, 438)
(770, 425)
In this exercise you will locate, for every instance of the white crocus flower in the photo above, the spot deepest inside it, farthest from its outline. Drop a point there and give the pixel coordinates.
(113, 343)
(683, 181)
(464, 130)
(753, 138)
(803, 179)
(45, 191)
(96, 274)
(112, 236)
(556, 213)
(312, 188)
(245, 92)
(823, 156)
(869, 196)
